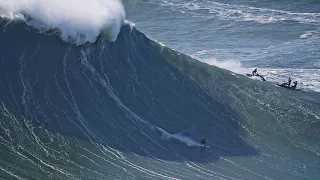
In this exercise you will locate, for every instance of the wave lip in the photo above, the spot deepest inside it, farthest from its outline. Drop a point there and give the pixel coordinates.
(79, 21)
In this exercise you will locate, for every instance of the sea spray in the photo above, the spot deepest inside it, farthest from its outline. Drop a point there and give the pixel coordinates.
(78, 21)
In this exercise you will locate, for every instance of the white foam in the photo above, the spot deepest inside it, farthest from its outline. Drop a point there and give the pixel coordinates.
(232, 65)
(178, 136)
(130, 23)
(306, 35)
(79, 21)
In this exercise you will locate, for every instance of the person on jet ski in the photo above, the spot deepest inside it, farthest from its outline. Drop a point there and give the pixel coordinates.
(254, 72)
(288, 83)
(294, 85)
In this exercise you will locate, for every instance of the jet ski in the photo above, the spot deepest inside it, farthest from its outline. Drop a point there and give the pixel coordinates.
(285, 85)
(258, 75)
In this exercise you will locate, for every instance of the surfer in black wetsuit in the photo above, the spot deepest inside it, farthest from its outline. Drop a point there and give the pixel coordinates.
(254, 72)
(204, 142)
(294, 85)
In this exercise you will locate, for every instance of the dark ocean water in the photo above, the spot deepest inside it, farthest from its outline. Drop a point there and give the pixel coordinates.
(137, 109)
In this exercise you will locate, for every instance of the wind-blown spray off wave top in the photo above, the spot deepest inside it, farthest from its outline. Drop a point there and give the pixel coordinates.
(79, 21)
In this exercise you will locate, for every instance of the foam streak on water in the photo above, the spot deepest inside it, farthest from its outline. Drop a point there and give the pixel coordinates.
(241, 12)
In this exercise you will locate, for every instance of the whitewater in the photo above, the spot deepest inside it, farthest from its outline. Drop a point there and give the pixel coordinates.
(95, 90)
(78, 21)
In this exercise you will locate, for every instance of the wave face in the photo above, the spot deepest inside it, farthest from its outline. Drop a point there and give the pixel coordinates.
(135, 109)
(78, 21)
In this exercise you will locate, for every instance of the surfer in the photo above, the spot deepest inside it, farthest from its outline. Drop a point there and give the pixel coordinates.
(254, 72)
(294, 85)
(204, 142)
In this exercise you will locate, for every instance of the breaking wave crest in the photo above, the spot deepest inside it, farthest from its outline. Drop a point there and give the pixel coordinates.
(78, 21)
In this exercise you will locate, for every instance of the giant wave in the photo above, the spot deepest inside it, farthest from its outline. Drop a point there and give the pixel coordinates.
(135, 109)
